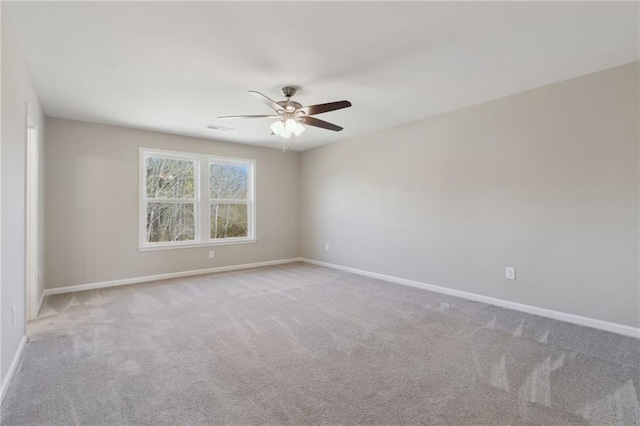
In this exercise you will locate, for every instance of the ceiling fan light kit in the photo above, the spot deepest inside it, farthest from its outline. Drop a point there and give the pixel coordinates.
(287, 128)
(291, 115)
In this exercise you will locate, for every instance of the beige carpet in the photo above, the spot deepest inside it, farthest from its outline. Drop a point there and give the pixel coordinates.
(301, 344)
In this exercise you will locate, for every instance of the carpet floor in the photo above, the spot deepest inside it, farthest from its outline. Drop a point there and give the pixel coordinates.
(302, 344)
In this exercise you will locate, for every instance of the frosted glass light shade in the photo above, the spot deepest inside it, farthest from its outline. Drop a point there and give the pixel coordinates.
(291, 125)
(277, 127)
(287, 128)
(299, 129)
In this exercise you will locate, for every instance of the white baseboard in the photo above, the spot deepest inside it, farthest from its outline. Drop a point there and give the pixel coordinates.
(548, 313)
(126, 281)
(12, 368)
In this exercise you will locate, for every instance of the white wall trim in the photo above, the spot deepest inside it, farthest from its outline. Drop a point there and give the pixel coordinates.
(39, 307)
(126, 281)
(32, 275)
(548, 313)
(12, 368)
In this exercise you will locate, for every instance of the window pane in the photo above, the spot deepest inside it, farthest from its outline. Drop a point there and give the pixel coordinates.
(169, 178)
(170, 222)
(229, 220)
(228, 181)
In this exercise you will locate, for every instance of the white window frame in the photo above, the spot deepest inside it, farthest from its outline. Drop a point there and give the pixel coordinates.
(202, 201)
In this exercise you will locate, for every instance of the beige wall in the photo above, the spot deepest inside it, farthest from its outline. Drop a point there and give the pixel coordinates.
(18, 95)
(546, 181)
(92, 205)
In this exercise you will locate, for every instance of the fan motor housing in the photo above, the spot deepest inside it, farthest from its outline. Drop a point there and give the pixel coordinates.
(290, 106)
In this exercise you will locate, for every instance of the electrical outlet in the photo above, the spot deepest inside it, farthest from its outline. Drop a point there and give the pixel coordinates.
(212, 254)
(326, 246)
(510, 273)
(13, 316)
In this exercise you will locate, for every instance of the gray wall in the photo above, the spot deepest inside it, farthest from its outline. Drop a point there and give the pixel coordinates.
(17, 93)
(546, 181)
(92, 205)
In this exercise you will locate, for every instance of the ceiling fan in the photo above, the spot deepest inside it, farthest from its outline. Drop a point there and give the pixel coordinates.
(291, 115)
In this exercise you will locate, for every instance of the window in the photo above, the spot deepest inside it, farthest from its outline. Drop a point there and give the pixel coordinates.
(192, 200)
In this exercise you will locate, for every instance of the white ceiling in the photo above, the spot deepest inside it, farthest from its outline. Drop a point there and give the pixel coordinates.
(175, 66)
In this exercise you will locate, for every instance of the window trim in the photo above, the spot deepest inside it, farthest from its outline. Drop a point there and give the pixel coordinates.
(202, 201)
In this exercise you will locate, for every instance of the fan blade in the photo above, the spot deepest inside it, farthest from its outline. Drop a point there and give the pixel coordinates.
(310, 121)
(227, 117)
(321, 108)
(267, 101)
(221, 128)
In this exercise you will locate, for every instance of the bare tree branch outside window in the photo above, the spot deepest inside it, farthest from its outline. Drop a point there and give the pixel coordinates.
(174, 199)
(170, 185)
(228, 189)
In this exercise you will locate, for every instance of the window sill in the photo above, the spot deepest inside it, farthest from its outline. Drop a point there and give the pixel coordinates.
(195, 245)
